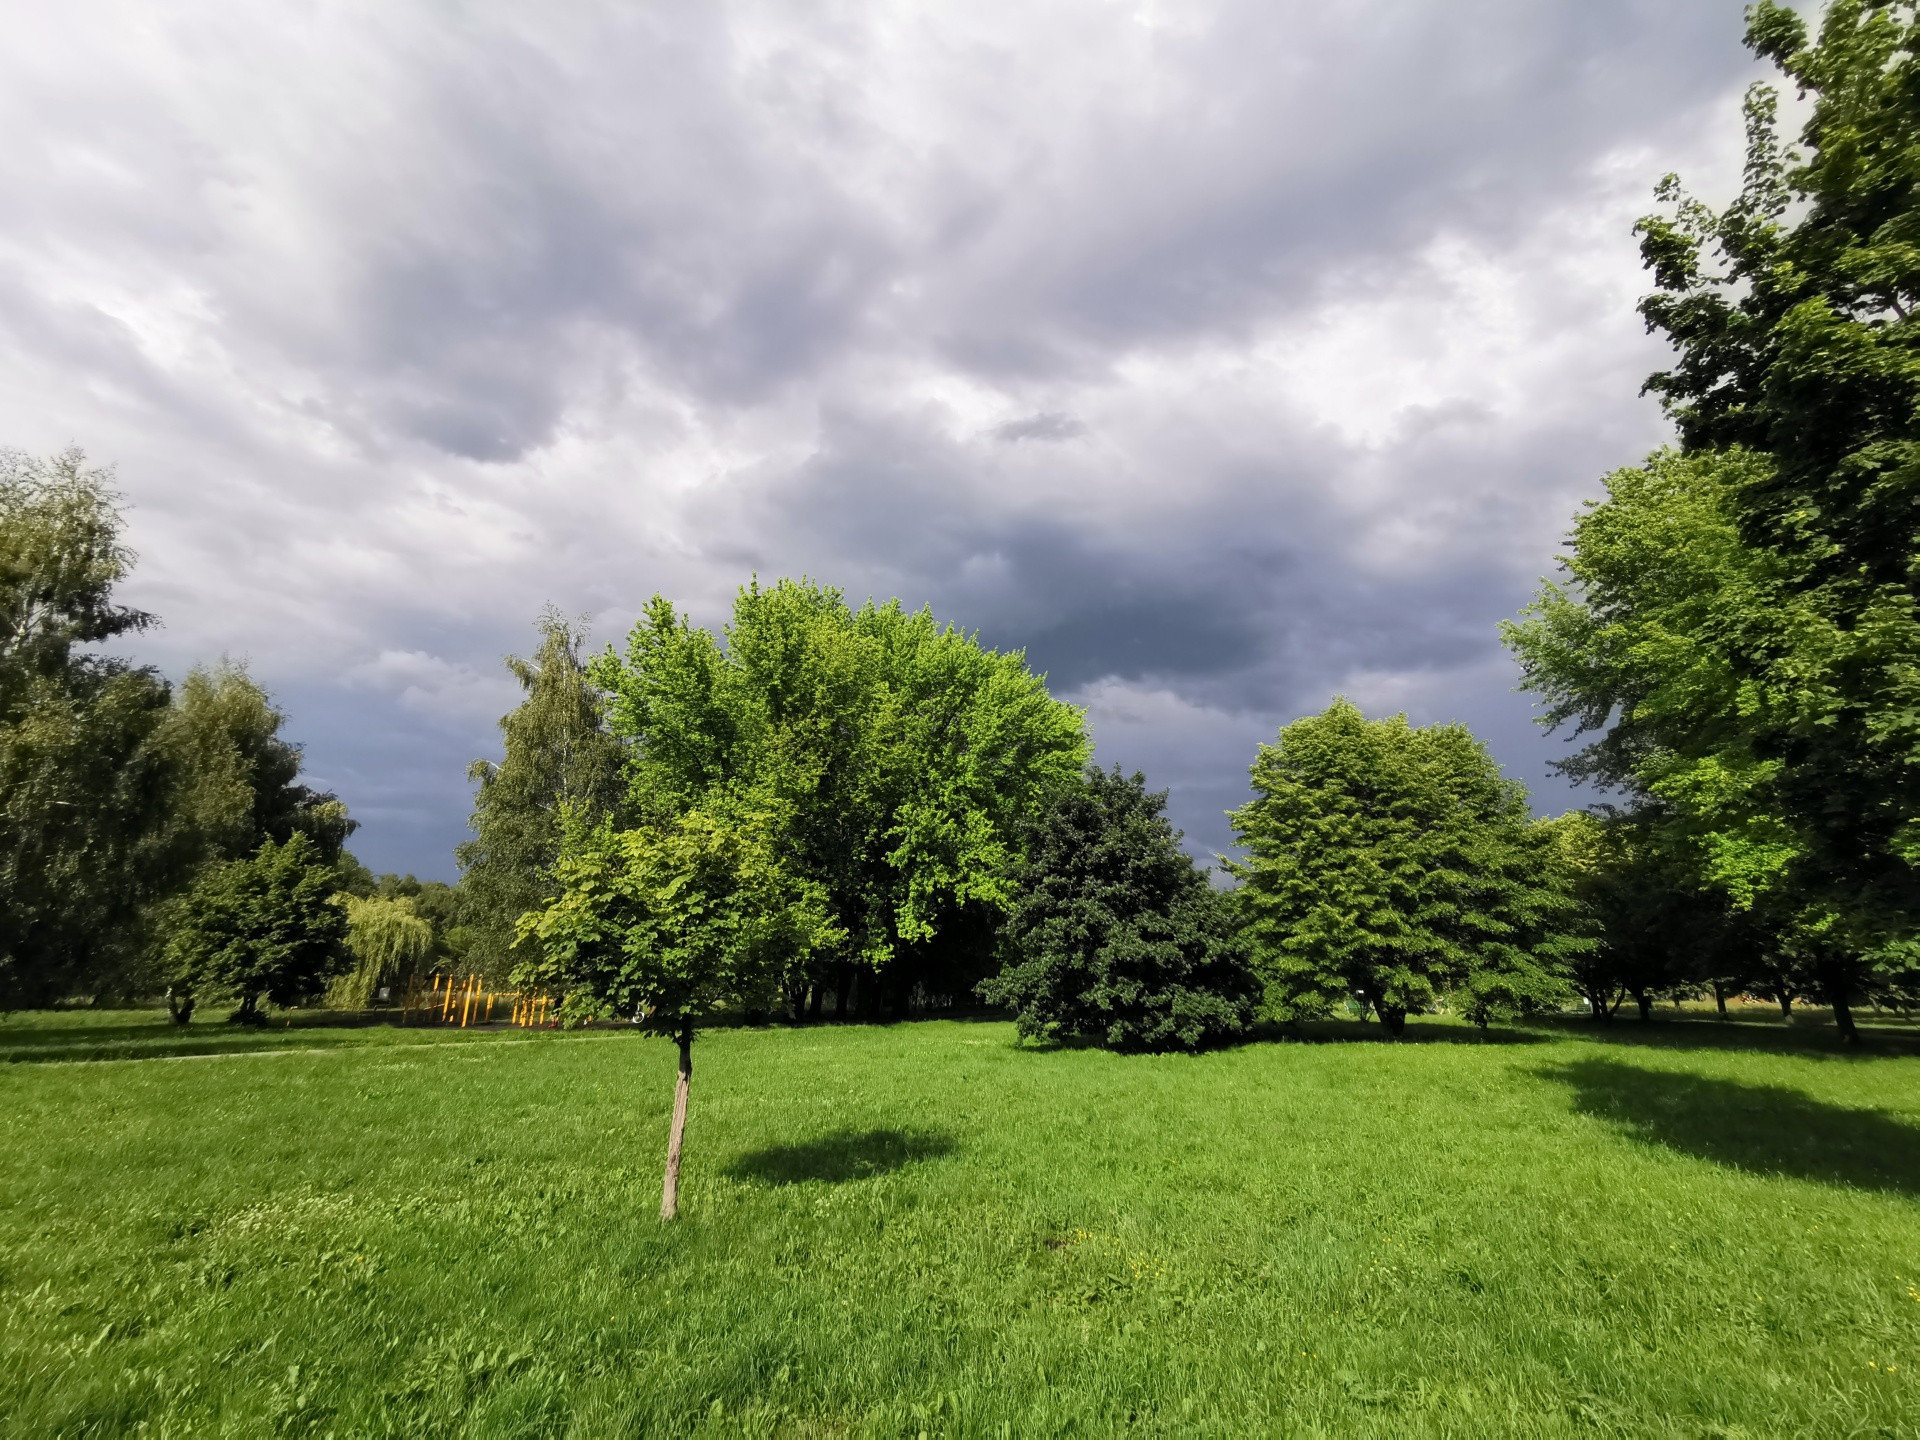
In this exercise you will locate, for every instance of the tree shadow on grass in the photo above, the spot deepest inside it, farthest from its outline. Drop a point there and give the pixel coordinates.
(1809, 1039)
(1763, 1129)
(1419, 1030)
(842, 1156)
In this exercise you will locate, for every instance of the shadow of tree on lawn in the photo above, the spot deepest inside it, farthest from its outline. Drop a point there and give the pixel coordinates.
(842, 1156)
(1805, 1037)
(1763, 1129)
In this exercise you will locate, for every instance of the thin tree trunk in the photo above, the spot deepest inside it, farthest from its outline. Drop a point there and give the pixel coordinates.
(1720, 998)
(1786, 1006)
(842, 991)
(1645, 1002)
(670, 1192)
(813, 1001)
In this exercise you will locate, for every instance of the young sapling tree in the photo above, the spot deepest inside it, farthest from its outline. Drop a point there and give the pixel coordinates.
(669, 924)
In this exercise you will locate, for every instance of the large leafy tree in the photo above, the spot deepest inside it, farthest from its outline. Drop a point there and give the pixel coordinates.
(1115, 934)
(262, 928)
(237, 779)
(826, 783)
(84, 790)
(900, 756)
(558, 755)
(1392, 864)
(1738, 623)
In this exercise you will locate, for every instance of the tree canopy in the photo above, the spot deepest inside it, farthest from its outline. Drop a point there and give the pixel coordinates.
(1738, 625)
(894, 757)
(558, 757)
(1392, 864)
(1115, 934)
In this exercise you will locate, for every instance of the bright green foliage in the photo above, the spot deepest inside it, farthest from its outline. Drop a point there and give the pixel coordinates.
(262, 928)
(1115, 934)
(671, 924)
(60, 557)
(1747, 611)
(889, 760)
(444, 907)
(557, 754)
(1394, 864)
(389, 941)
(1643, 644)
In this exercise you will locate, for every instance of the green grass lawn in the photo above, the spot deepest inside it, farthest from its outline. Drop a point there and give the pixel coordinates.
(1682, 1229)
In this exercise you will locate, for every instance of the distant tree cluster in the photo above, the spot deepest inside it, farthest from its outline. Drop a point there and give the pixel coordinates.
(124, 797)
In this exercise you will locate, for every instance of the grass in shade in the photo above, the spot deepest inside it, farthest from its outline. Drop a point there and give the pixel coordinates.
(1676, 1229)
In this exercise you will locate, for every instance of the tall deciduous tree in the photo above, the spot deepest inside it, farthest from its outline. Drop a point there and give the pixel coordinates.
(1392, 864)
(1739, 621)
(115, 790)
(557, 754)
(84, 790)
(237, 779)
(1115, 934)
(261, 928)
(901, 756)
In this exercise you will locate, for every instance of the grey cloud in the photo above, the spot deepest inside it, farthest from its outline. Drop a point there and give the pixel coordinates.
(402, 322)
(1050, 425)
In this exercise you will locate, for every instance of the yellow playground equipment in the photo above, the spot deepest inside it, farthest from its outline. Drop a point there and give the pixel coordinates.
(444, 998)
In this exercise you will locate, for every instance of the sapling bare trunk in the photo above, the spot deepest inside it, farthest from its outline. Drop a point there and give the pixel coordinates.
(670, 1192)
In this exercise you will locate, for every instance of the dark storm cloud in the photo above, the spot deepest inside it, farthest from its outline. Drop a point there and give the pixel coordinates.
(1221, 356)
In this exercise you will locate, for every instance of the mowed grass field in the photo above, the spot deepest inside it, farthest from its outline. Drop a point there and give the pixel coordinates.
(1676, 1229)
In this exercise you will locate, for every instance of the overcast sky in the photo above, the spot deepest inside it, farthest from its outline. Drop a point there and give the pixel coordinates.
(1225, 356)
